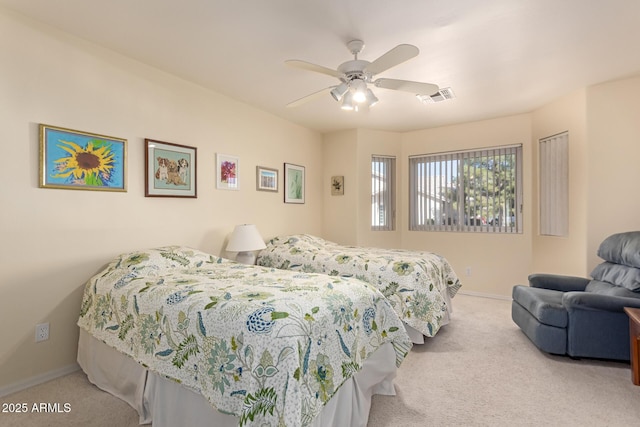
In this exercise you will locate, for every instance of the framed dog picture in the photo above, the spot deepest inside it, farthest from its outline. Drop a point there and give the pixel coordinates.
(170, 170)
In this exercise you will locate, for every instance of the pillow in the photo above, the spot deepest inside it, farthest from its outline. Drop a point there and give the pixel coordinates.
(621, 248)
(617, 274)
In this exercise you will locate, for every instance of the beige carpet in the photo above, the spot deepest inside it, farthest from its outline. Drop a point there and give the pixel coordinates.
(478, 371)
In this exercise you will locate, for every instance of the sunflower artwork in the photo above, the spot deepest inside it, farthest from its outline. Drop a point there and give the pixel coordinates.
(83, 161)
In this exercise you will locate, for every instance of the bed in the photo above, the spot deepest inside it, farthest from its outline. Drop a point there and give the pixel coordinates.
(419, 285)
(188, 338)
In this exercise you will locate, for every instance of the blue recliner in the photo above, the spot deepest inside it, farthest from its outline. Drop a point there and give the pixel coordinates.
(583, 317)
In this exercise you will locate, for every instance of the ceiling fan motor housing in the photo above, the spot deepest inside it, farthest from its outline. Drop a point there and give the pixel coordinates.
(355, 69)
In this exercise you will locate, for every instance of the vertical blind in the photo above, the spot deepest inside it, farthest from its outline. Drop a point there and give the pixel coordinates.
(383, 171)
(473, 191)
(554, 185)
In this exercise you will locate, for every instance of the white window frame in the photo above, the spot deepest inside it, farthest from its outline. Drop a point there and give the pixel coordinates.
(437, 204)
(383, 193)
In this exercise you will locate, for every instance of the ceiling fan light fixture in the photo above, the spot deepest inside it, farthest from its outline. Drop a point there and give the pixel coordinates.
(359, 88)
(338, 92)
(372, 99)
(347, 102)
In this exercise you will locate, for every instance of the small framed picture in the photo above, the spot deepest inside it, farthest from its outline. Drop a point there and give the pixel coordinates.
(76, 160)
(227, 172)
(170, 170)
(337, 185)
(293, 183)
(266, 179)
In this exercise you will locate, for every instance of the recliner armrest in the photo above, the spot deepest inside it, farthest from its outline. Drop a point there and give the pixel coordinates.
(557, 282)
(589, 301)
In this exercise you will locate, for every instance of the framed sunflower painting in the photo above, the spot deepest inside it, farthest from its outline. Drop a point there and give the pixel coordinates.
(76, 160)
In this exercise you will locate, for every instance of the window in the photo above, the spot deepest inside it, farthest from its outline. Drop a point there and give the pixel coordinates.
(554, 185)
(383, 199)
(470, 191)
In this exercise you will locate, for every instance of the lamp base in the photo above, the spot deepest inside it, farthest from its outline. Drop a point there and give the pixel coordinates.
(246, 258)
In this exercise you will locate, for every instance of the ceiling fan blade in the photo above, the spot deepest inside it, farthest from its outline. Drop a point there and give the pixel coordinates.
(397, 55)
(310, 97)
(313, 67)
(416, 88)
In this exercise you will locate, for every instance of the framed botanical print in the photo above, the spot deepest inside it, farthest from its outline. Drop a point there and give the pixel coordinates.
(337, 185)
(266, 179)
(77, 160)
(227, 172)
(293, 183)
(170, 170)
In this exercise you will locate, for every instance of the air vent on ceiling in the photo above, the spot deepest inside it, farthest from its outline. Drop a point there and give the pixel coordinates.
(441, 95)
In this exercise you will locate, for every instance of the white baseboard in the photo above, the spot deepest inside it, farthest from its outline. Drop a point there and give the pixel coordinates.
(483, 295)
(38, 379)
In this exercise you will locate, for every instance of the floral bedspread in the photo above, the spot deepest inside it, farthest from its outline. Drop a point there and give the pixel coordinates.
(419, 285)
(269, 346)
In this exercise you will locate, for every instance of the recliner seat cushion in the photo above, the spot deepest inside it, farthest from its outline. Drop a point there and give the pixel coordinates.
(618, 274)
(621, 248)
(604, 288)
(544, 304)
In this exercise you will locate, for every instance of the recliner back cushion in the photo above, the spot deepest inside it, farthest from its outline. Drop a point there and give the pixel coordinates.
(604, 288)
(621, 248)
(618, 274)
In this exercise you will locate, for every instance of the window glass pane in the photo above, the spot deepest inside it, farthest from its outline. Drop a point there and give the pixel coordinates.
(382, 193)
(473, 191)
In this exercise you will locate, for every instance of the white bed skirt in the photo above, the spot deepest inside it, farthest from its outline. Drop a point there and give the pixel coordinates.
(167, 403)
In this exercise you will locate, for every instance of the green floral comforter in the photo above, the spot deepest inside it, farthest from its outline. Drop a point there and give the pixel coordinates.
(269, 346)
(419, 285)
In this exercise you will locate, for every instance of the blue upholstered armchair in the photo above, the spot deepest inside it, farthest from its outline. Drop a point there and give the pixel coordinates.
(583, 317)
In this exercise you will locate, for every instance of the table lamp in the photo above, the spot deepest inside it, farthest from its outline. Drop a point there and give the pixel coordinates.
(245, 239)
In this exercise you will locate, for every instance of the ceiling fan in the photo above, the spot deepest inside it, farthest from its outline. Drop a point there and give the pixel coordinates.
(357, 74)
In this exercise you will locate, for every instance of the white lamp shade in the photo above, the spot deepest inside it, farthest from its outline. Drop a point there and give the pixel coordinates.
(245, 237)
(347, 101)
(359, 91)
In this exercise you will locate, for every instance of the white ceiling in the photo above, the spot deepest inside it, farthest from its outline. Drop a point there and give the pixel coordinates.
(500, 57)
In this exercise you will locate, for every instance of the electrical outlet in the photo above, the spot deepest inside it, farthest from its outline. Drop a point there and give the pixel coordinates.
(468, 271)
(42, 332)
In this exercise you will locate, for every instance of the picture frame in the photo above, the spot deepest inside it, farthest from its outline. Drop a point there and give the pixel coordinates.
(266, 179)
(337, 185)
(227, 172)
(293, 183)
(170, 169)
(77, 160)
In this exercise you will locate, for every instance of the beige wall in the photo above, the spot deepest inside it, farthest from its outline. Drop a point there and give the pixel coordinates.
(347, 219)
(496, 261)
(568, 254)
(341, 212)
(54, 240)
(613, 129)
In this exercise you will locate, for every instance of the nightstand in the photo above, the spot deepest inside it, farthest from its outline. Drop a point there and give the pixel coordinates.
(634, 336)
